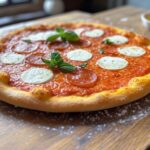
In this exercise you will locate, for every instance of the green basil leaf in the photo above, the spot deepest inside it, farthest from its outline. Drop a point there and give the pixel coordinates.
(53, 37)
(60, 30)
(101, 51)
(66, 67)
(27, 41)
(83, 65)
(49, 63)
(70, 36)
(56, 58)
(107, 41)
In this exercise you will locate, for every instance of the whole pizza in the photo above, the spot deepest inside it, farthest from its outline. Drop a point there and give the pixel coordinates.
(72, 67)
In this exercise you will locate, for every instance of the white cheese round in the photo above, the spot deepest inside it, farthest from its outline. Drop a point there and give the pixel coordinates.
(112, 63)
(94, 33)
(132, 51)
(40, 36)
(117, 39)
(12, 58)
(78, 31)
(25, 47)
(79, 55)
(36, 75)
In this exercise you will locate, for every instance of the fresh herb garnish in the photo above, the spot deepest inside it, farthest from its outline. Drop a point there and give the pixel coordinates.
(27, 41)
(83, 65)
(64, 35)
(107, 41)
(101, 51)
(56, 61)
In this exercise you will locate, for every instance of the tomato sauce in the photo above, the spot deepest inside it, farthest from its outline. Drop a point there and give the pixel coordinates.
(90, 80)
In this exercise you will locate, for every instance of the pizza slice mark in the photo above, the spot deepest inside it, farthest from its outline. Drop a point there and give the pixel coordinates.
(115, 39)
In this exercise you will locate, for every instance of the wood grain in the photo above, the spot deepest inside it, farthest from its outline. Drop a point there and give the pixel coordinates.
(122, 128)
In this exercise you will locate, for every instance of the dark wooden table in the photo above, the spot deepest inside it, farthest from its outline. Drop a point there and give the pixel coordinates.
(121, 128)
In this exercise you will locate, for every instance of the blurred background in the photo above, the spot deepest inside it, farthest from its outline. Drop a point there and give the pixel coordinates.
(14, 11)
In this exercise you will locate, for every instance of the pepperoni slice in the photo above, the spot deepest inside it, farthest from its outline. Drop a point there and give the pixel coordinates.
(25, 48)
(82, 43)
(82, 78)
(36, 59)
(58, 45)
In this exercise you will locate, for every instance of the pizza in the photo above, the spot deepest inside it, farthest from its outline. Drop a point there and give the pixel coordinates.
(73, 67)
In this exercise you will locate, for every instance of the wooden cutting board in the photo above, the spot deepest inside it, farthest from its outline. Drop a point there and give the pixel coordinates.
(121, 128)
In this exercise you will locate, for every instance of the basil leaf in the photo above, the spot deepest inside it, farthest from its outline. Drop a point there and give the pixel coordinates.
(58, 62)
(53, 37)
(27, 41)
(101, 51)
(107, 41)
(70, 36)
(49, 63)
(83, 65)
(60, 30)
(66, 67)
(56, 58)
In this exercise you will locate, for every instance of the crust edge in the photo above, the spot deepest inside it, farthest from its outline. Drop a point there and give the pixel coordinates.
(136, 89)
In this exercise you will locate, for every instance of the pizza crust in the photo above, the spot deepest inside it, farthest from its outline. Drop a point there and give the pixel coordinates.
(137, 88)
(39, 99)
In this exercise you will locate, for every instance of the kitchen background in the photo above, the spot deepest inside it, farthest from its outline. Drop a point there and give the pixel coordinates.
(13, 11)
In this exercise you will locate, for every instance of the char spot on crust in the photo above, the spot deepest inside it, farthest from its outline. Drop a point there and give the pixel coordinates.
(4, 77)
(41, 93)
(2, 47)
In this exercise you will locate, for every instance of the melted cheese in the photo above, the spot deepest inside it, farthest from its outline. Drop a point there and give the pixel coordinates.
(78, 31)
(41, 36)
(36, 75)
(132, 51)
(112, 63)
(25, 47)
(12, 58)
(79, 55)
(117, 39)
(94, 33)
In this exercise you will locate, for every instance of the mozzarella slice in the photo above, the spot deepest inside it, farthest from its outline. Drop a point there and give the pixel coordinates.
(117, 39)
(36, 75)
(12, 58)
(25, 47)
(112, 63)
(78, 31)
(133, 51)
(94, 33)
(79, 55)
(41, 36)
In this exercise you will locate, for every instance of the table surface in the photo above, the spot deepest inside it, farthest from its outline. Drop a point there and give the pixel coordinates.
(122, 128)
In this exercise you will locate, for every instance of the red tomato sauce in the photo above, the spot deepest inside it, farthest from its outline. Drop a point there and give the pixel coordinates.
(102, 79)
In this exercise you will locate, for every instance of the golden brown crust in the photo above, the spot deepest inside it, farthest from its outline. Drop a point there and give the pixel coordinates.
(136, 88)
